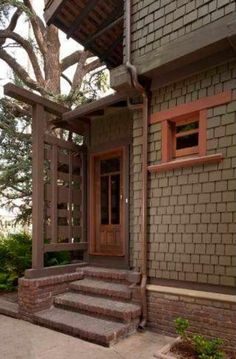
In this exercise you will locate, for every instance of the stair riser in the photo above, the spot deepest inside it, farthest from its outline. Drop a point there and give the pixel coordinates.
(107, 313)
(115, 277)
(101, 292)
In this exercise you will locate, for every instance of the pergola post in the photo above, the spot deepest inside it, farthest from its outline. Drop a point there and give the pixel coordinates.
(38, 129)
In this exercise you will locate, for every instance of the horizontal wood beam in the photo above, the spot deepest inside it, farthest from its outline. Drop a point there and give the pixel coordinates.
(32, 99)
(51, 140)
(105, 26)
(53, 271)
(89, 108)
(51, 10)
(57, 247)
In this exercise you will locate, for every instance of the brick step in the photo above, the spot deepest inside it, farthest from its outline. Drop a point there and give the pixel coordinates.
(113, 309)
(102, 288)
(96, 330)
(115, 275)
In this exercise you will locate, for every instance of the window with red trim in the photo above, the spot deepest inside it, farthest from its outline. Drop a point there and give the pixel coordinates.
(184, 136)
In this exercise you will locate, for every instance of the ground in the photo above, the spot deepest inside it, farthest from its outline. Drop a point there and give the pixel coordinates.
(23, 340)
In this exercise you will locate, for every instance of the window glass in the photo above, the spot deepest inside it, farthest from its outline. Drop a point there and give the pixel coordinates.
(105, 200)
(115, 199)
(187, 141)
(110, 165)
(187, 127)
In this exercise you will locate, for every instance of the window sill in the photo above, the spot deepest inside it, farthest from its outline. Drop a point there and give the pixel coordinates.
(185, 162)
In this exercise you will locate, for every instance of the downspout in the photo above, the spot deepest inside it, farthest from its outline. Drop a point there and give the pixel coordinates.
(136, 84)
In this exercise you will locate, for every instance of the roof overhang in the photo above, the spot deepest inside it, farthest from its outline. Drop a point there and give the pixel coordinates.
(81, 117)
(95, 24)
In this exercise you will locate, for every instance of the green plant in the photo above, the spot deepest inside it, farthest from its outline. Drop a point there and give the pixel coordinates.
(204, 348)
(15, 258)
(181, 325)
(208, 348)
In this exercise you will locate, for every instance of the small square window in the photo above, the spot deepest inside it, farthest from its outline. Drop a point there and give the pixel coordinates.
(184, 136)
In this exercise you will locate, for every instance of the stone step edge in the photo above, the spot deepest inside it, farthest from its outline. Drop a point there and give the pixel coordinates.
(131, 277)
(106, 292)
(100, 339)
(95, 311)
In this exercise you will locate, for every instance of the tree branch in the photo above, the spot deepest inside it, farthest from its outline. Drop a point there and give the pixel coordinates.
(38, 28)
(79, 73)
(20, 72)
(70, 60)
(14, 20)
(28, 48)
(12, 24)
(92, 66)
(67, 79)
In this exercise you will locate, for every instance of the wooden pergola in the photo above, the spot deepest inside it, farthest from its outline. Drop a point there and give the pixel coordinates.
(59, 184)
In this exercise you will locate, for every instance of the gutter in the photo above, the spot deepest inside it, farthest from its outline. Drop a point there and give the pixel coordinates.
(137, 85)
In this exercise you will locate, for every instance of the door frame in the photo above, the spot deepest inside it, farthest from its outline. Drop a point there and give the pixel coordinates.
(106, 259)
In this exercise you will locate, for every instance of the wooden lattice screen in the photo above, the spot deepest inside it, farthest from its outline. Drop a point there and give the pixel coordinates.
(59, 183)
(63, 195)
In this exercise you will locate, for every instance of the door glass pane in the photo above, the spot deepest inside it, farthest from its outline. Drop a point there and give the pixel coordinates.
(115, 199)
(105, 200)
(110, 165)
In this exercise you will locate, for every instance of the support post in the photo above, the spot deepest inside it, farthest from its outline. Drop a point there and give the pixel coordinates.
(38, 129)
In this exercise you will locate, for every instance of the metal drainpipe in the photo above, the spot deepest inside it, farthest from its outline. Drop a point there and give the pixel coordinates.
(136, 84)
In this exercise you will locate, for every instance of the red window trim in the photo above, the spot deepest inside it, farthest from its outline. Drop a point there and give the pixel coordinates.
(186, 162)
(190, 108)
(168, 138)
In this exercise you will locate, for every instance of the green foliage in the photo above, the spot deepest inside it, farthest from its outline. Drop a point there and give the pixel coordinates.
(15, 154)
(15, 258)
(57, 258)
(181, 325)
(204, 348)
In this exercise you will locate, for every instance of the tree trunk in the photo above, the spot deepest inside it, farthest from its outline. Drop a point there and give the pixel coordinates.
(52, 66)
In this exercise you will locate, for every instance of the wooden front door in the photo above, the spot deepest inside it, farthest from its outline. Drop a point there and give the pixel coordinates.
(107, 203)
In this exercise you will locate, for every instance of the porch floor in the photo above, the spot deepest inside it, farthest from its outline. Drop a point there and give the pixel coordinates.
(23, 340)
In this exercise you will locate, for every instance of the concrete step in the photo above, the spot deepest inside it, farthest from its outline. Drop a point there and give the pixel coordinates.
(102, 288)
(116, 275)
(96, 330)
(98, 306)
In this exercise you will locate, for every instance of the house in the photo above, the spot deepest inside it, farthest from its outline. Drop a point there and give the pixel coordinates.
(149, 199)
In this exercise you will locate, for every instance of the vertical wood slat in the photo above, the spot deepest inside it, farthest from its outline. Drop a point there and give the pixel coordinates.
(70, 195)
(83, 186)
(54, 163)
(38, 128)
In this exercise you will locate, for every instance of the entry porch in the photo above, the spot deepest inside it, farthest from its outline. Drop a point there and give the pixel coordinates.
(81, 183)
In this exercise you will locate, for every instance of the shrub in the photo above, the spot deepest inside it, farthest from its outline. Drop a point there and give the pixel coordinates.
(15, 258)
(181, 325)
(208, 349)
(204, 348)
